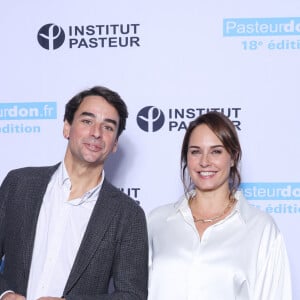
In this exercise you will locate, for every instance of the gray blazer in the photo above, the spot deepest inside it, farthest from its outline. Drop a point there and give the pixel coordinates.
(114, 247)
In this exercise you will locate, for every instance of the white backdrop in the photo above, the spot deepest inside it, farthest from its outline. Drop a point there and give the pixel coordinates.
(170, 61)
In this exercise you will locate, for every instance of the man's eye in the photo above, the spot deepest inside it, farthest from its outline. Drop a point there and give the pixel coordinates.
(109, 128)
(88, 122)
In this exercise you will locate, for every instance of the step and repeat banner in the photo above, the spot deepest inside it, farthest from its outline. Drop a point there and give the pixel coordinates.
(171, 61)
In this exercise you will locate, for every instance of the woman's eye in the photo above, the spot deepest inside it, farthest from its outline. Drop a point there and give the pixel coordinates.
(193, 152)
(217, 151)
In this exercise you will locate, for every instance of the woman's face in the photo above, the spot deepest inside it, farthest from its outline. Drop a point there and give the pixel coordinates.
(208, 161)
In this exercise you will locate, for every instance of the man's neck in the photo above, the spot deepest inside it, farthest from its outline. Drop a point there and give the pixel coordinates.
(83, 177)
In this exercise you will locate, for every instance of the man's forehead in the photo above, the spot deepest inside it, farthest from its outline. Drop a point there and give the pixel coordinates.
(97, 105)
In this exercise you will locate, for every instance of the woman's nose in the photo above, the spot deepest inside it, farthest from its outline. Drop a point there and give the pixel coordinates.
(204, 160)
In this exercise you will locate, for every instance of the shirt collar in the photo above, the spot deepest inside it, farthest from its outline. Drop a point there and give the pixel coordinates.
(89, 196)
(242, 207)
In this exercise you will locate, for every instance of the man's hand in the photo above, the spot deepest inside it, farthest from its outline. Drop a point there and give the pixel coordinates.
(50, 298)
(12, 296)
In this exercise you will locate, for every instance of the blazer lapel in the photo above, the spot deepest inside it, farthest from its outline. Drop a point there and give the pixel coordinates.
(105, 208)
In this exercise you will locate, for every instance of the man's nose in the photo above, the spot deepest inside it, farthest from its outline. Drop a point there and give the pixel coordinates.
(96, 131)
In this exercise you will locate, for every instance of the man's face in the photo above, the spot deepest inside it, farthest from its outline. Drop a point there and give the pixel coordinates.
(93, 133)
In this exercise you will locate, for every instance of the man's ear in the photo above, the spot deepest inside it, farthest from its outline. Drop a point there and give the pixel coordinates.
(66, 130)
(115, 147)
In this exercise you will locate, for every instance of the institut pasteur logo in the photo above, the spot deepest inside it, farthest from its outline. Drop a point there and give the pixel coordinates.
(52, 36)
(152, 118)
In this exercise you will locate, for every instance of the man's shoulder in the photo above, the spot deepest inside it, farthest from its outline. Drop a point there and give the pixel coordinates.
(120, 196)
(27, 172)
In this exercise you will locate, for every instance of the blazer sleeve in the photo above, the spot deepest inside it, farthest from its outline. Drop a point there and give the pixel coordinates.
(130, 268)
(4, 190)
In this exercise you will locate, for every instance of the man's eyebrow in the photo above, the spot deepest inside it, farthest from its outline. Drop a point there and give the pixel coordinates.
(89, 114)
(111, 121)
(212, 147)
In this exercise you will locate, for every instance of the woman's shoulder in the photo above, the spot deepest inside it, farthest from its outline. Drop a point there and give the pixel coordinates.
(157, 218)
(255, 216)
(161, 211)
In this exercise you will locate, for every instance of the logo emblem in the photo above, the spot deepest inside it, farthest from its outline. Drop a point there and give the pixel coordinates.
(150, 119)
(51, 36)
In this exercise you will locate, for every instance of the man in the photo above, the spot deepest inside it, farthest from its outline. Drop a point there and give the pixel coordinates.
(65, 231)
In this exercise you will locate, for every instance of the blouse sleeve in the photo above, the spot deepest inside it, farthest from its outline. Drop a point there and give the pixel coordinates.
(274, 279)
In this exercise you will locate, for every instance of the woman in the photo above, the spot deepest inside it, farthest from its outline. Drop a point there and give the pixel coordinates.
(212, 244)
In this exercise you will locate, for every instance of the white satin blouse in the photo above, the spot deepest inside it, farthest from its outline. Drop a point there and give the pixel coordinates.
(242, 257)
